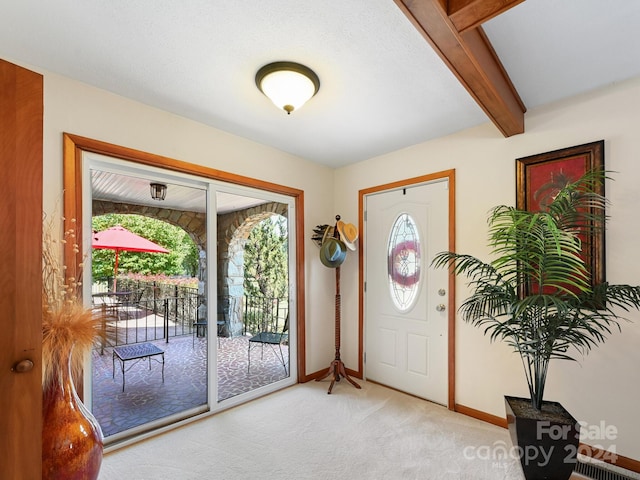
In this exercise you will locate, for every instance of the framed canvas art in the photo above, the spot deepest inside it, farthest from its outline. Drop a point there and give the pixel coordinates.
(539, 177)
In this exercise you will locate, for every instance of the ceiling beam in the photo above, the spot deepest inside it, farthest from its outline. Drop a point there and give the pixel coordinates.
(469, 14)
(471, 58)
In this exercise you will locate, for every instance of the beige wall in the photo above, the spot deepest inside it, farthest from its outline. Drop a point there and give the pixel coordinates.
(605, 386)
(79, 109)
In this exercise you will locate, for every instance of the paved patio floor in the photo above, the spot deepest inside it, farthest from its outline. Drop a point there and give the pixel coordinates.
(147, 398)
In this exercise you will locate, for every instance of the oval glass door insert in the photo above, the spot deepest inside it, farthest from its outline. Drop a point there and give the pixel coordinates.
(403, 265)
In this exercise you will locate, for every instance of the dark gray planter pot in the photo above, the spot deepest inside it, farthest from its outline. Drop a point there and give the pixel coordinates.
(547, 441)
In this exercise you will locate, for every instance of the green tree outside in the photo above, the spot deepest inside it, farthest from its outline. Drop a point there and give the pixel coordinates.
(182, 259)
(266, 259)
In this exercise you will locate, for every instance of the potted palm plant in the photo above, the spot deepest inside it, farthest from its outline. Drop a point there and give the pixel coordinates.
(536, 295)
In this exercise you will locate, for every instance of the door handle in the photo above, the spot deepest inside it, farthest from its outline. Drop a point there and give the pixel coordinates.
(22, 366)
(441, 307)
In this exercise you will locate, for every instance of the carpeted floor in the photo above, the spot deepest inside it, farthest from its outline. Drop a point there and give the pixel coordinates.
(302, 433)
(298, 433)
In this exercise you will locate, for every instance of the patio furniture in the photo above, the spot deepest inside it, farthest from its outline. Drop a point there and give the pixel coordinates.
(110, 298)
(119, 239)
(135, 353)
(106, 297)
(200, 325)
(122, 305)
(111, 303)
(129, 305)
(271, 338)
(200, 330)
(226, 307)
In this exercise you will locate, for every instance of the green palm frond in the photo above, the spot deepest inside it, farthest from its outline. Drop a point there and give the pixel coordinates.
(535, 251)
(578, 207)
(536, 294)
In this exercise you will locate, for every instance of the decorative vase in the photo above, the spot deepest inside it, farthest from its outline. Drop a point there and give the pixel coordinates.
(72, 440)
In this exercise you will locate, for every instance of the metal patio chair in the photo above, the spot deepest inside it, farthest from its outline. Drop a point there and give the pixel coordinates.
(273, 338)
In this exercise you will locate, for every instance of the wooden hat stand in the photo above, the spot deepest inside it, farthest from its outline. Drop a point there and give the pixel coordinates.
(337, 369)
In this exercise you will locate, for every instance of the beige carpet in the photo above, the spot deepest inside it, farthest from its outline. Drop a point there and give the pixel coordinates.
(303, 433)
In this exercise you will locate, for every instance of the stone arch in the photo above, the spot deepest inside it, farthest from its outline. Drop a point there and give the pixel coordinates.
(233, 231)
(194, 223)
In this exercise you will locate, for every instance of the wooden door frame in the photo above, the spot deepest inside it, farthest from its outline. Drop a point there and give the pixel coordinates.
(75, 146)
(21, 161)
(451, 177)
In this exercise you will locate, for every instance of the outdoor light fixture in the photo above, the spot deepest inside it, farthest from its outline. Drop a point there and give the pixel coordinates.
(288, 85)
(158, 191)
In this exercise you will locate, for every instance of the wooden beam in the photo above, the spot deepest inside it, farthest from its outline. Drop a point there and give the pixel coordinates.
(472, 60)
(469, 14)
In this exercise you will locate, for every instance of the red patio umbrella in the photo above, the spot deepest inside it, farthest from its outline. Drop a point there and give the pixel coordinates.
(119, 238)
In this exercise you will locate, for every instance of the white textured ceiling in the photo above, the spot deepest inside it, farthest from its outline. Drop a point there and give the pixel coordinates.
(382, 86)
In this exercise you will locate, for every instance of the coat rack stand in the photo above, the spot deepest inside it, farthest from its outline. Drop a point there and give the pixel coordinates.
(337, 369)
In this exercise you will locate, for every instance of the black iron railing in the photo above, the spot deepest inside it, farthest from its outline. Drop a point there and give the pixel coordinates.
(264, 314)
(145, 311)
(148, 311)
(179, 314)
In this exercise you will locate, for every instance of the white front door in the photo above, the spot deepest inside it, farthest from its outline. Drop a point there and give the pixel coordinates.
(406, 322)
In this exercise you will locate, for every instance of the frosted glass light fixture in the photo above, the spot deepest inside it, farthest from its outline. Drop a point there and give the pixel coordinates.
(287, 84)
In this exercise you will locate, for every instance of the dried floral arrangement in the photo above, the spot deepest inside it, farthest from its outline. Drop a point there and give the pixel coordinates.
(68, 327)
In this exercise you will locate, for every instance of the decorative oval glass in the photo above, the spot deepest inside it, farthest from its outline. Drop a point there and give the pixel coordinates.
(403, 262)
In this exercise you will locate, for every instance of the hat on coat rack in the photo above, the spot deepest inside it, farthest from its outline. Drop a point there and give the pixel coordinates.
(333, 251)
(348, 234)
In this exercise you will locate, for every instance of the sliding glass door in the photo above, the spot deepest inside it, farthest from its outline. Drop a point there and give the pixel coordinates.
(253, 293)
(201, 323)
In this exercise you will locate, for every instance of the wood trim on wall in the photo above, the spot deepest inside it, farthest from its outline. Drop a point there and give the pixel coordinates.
(75, 145)
(450, 175)
(21, 159)
(584, 449)
(480, 415)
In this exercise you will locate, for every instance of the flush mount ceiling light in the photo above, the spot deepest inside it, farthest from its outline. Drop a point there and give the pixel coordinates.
(287, 84)
(158, 191)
